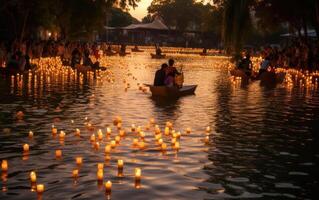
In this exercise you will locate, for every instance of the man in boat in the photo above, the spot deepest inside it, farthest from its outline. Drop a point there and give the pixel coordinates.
(158, 50)
(160, 75)
(246, 65)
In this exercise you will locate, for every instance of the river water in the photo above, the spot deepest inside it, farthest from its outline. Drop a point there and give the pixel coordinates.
(263, 143)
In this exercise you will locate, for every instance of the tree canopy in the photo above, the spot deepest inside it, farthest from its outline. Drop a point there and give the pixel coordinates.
(73, 18)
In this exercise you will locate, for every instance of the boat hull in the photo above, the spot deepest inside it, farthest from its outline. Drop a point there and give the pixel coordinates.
(164, 91)
(154, 56)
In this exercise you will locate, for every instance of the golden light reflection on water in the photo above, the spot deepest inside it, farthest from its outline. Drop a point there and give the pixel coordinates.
(108, 116)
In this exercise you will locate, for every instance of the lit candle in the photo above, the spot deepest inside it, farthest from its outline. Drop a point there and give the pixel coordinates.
(99, 174)
(188, 130)
(113, 144)
(142, 145)
(135, 142)
(120, 164)
(40, 188)
(176, 146)
(100, 166)
(133, 128)
(160, 142)
(30, 134)
(138, 173)
(79, 160)
(208, 129)
(107, 149)
(108, 187)
(92, 138)
(117, 139)
(58, 153)
(75, 173)
(96, 145)
(77, 132)
(152, 121)
(119, 125)
(26, 148)
(206, 139)
(100, 134)
(33, 177)
(142, 135)
(108, 130)
(62, 135)
(166, 131)
(54, 130)
(163, 146)
(122, 133)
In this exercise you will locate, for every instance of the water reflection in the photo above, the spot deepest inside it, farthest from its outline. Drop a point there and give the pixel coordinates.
(263, 141)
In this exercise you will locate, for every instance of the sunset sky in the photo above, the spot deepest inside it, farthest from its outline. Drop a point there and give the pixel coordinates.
(141, 10)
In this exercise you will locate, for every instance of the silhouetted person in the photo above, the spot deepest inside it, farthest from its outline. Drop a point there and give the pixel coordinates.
(160, 75)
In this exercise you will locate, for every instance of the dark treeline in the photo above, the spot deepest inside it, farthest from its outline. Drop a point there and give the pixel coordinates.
(21, 19)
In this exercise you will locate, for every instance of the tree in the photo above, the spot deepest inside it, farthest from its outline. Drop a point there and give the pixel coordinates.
(73, 18)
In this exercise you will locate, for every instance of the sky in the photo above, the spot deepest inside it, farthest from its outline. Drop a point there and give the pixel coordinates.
(141, 10)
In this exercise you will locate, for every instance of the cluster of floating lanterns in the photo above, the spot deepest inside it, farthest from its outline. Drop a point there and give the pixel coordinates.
(163, 139)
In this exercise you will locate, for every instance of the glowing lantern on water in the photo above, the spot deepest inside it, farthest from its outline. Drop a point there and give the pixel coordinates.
(100, 166)
(208, 129)
(75, 173)
(78, 160)
(133, 128)
(99, 174)
(96, 145)
(113, 144)
(62, 135)
(206, 140)
(152, 121)
(176, 146)
(107, 149)
(122, 133)
(142, 145)
(108, 187)
(4, 165)
(58, 153)
(163, 147)
(33, 177)
(77, 132)
(188, 130)
(92, 138)
(138, 173)
(100, 134)
(117, 139)
(40, 188)
(120, 165)
(26, 148)
(108, 130)
(54, 130)
(166, 131)
(30, 134)
(160, 142)
(135, 142)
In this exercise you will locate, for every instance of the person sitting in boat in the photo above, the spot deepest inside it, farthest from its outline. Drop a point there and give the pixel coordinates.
(246, 65)
(265, 63)
(76, 57)
(123, 49)
(171, 73)
(88, 62)
(158, 50)
(136, 48)
(160, 75)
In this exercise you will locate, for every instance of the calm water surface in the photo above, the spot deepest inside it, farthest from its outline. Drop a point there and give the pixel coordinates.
(263, 143)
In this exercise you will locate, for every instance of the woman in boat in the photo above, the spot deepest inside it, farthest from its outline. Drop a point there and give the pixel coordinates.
(171, 73)
(160, 75)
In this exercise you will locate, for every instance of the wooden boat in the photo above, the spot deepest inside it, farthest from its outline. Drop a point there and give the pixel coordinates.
(164, 91)
(154, 56)
(123, 53)
(136, 50)
(110, 53)
(266, 78)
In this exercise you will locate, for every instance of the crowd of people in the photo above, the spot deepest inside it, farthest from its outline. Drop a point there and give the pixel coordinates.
(16, 56)
(297, 54)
